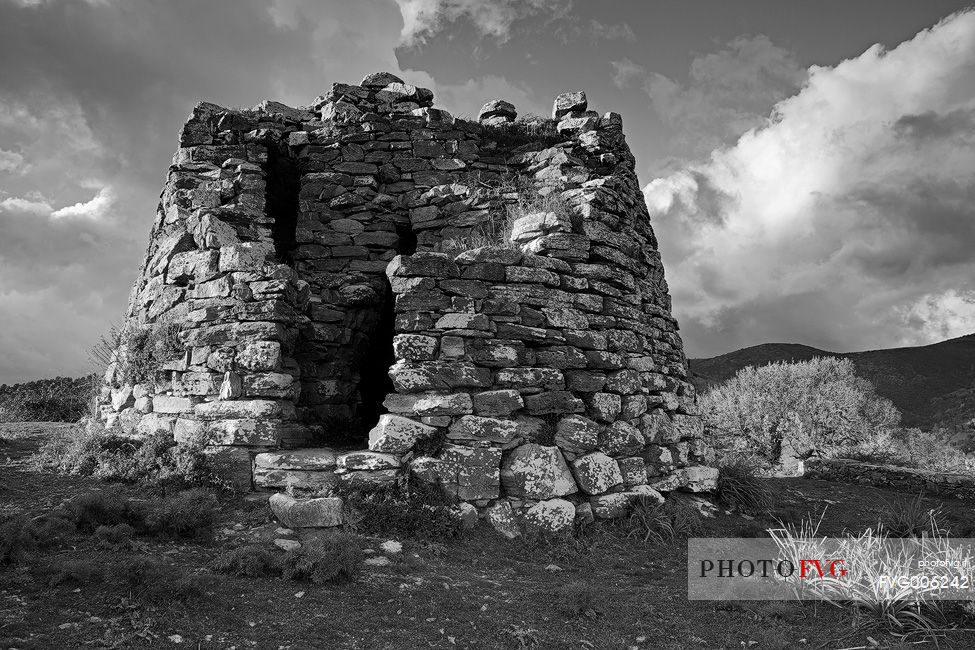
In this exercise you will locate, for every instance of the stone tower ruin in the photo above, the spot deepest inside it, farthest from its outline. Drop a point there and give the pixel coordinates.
(368, 286)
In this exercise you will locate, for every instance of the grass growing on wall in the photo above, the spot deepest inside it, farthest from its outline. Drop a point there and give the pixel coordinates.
(148, 348)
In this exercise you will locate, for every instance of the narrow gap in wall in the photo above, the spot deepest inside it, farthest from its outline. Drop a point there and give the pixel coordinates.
(281, 199)
(374, 381)
(407, 239)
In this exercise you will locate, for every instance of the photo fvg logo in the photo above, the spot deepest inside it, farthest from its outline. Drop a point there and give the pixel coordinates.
(808, 569)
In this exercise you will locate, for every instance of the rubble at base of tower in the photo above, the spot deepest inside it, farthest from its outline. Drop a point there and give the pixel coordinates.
(367, 287)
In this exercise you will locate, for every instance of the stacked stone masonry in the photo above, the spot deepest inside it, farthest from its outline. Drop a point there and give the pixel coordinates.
(903, 479)
(483, 299)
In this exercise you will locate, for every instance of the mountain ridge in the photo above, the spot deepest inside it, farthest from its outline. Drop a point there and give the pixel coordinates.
(930, 384)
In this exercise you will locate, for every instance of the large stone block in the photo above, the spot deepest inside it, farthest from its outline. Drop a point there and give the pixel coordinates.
(427, 376)
(170, 404)
(634, 471)
(569, 102)
(154, 424)
(248, 256)
(596, 473)
(367, 460)
(623, 382)
(577, 434)
(534, 471)
(293, 479)
(658, 428)
(395, 434)
(318, 459)
(699, 478)
(265, 384)
(544, 378)
(497, 402)
(605, 407)
(474, 427)
(502, 519)
(260, 356)
(470, 473)
(192, 266)
(415, 347)
(435, 265)
(429, 404)
(246, 431)
(552, 402)
(621, 439)
(555, 516)
(610, 506)
(243, 409)
(324, 512)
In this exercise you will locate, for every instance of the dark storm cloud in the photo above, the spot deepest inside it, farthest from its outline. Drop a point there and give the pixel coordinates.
(92, 95)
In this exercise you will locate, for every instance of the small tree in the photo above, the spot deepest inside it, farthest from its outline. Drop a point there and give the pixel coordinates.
(815, 407)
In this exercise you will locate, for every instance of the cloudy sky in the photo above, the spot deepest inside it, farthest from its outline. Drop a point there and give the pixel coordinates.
(809, 166)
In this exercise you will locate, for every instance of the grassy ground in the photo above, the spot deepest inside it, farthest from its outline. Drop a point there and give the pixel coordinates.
(476, 592)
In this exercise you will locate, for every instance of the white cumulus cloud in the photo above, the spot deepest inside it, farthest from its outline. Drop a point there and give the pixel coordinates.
(847, 219)
(95, 208)
(30, 206)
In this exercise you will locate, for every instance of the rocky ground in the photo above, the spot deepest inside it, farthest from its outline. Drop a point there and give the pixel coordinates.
(477, 592)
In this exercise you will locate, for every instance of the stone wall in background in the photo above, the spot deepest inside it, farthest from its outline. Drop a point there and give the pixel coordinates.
(902, 479)
(482, 302)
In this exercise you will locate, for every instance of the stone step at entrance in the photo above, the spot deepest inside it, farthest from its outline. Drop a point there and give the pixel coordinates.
(319, 469)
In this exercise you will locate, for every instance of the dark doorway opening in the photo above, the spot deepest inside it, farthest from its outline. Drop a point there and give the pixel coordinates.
(281, 199)
(373, 370)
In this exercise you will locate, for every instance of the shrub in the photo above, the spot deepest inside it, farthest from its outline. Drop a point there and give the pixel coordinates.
(106, 348)
(93, 510)
(577, 599)
(114, 538)
(252, 561)
(21, 537)
(903, 612)
(931, 450)
(751, 529)
(532, 200)
(526, 130)
(558, 548)
(430, 445)
(509, 198)
(407, 508)
(145, 349)
(93, 451)
(481, 236)
(670, 521)
(73, 571)
(151, 581)
(334, 559)
(739, 488)
(18, 540)
(906, 517)
(189, 514)
(61, 399)
(816, 407)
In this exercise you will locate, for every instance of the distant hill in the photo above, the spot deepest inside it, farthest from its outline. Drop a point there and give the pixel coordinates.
(930, 384)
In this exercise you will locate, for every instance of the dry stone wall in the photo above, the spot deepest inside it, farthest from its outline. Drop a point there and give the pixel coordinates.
(903, 479)
(483, 300)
